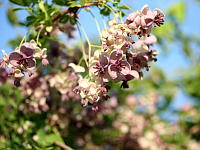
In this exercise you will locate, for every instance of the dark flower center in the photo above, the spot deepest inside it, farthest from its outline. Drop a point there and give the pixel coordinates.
(24, 62)
(34, 83)
(158, 20)
(100, 69)
(119, 66)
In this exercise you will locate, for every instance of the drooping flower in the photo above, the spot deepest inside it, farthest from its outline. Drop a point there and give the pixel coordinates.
(88, 90)
(64, 82)
(116, 37)
(36, 90)
(147, 17)
(23, 60)
(3, 75)
(4, 60)
(133, 20)
(100, 67)
(24, 57)
(150, 18)
(159, 17)
(144, 42)
(140, 60)
(119, 69)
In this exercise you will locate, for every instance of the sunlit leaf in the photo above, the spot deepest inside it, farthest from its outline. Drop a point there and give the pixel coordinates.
(178, 10)
(23, 2)
(165, 31)
(12, 17)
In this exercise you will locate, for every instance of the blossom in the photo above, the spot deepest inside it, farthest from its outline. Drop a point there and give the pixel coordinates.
(159, 17)
(45, 61)
(88, 90)
(147, 17)
(140, 60)
(23, 60)
(150, 18)
(133, 20)
(3, 63)
(116, 37)
(122, 57)
(37, 91)
(3, 75)
(4, 60)
(100, 67)
(120, 69)
(64, 82)
(24, 57)
(143, 43)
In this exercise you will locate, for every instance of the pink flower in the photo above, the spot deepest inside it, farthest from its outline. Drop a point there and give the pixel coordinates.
(147, 17)
(3, 75)
(150, 18)
(144, 42)
(119, 69)
(100, 68)
(45, 61)
(140, 60)
(150, 40)
(34, 83)
(115, 56)
(159, 17)
(133, 20)
(24, 57)
(3, 63)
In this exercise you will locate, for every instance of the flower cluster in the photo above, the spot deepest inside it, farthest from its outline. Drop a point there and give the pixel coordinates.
(64, 82)
(3, 75)
(121, 57)
(36, 91)
(23, 59)
(144, 20)
(90, 92)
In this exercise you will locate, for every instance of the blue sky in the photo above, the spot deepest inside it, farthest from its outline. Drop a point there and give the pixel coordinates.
(170, 62)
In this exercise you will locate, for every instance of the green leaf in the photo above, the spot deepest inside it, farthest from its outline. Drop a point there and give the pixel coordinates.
(165, 31)
(23, 2)
(74, 4)
(48, 139)
(43, 9)
(105, 11)
(12, 17)
(64, 19)
(178, 11)
(61, 2)
(116, 2)
(30, 20)
(82, 2)
(17, 9)
(123, 7)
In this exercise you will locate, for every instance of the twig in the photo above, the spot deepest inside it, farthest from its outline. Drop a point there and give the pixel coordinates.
(68, 10)
(62, 145)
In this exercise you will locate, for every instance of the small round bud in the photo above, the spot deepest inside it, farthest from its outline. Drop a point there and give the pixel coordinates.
(87, 8)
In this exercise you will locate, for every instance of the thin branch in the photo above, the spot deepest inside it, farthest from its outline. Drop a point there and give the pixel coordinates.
(68, 10)
(62, 145)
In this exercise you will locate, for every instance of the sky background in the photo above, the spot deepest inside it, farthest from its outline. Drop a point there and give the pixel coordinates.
(169, 62)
